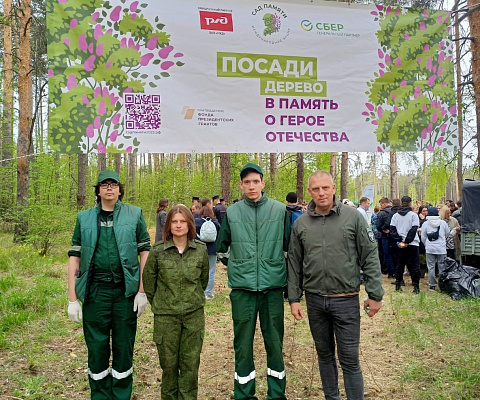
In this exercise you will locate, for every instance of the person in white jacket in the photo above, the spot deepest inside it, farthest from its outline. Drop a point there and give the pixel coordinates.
(434, 234)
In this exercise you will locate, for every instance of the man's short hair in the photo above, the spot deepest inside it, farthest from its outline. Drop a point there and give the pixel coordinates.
(384, 200)
(363, 200)
(291, 197)
(206, 201)
(396, 202)
(459, 203)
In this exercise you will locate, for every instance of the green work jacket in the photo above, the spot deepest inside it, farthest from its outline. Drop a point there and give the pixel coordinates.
(174, 283)
(255, 234)
(131, 236)
(326, 254)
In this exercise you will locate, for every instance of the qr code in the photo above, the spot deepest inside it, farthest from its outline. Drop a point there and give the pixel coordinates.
(142, 111)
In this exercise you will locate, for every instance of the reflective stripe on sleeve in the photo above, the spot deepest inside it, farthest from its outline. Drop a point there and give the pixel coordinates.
(276, 374)
(76, 248)
(100, 375)
(122, 375)
(242, 380)
(142, 244)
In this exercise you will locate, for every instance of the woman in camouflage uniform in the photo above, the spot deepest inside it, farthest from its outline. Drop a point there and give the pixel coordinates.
(174, 279)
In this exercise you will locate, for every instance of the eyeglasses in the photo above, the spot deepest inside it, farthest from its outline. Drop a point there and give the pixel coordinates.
(113, 185)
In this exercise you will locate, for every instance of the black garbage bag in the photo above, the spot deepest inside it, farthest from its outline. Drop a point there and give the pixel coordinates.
(459, 280)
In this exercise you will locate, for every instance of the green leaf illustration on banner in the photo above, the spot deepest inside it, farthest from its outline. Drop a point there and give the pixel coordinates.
(98, 51)
(414, 84)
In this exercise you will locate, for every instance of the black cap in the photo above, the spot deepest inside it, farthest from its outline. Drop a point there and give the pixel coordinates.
(222, 199)
(291, 197)
(406, 199)
(195, 198)
(215, 197)
(235, 201)
(250, 167)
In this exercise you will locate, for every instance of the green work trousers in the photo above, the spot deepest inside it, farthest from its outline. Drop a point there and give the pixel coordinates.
(107, 313)
(179, 340)
(268, 305)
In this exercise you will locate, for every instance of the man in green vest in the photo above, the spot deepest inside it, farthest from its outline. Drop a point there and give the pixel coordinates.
(251, 242)
(105, 275)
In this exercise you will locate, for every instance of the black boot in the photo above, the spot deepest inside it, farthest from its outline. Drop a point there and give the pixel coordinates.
(398, 286)
(416, 289)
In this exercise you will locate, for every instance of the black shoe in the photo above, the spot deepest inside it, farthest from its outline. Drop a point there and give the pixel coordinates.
(402, 283)
(398, 287)
(432, 288)
(416, 290)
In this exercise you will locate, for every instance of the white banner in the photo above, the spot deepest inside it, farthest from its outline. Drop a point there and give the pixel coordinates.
(247, 76)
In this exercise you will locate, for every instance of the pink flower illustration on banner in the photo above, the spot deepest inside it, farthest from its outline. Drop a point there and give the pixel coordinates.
(73, 23)
(430, 147)
(113, 136)
(101, 148)
(152, 43)
(166, 65)
(440, 140)
(98, 32)
(88, 65)
(82, 42)
(116, 119)
(115, 14)
(379, 149)
(163, 53)
(133, 6)
(90, 131)
(370, 106)
(101, 108)
(128, 149)
(85, 100)
(97, 122)
(453, 110)
(424, 133)
(71, 82)
(145, 59)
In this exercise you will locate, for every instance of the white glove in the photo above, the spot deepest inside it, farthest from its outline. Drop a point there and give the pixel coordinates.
(140, 303)
(75, 311)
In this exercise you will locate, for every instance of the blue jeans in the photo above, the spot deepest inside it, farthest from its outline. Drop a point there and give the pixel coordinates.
(212, 263)
(387, 256)
(337, 319)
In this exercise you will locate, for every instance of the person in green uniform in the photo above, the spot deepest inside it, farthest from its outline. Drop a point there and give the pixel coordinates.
(105, 287)
(175, 277)
(251, 242)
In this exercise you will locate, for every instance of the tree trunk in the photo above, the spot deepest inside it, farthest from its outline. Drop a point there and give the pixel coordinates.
(344, 176)
(273, 169)
(132, 163)
(393, 176)
(82, 180)
(459, 111)
(6, 137)
(474, 20)
(156, 162)
(300, 168)
(25, 100)
(225, 171)
(101, 162)
(118, 163)
(333, 165)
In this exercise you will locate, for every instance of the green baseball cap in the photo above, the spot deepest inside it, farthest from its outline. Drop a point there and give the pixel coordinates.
(107, 174)
(250, 167)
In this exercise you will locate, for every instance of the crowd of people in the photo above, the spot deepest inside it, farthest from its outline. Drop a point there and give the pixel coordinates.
(318, 252)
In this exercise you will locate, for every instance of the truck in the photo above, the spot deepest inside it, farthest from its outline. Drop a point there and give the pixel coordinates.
(470, 227)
